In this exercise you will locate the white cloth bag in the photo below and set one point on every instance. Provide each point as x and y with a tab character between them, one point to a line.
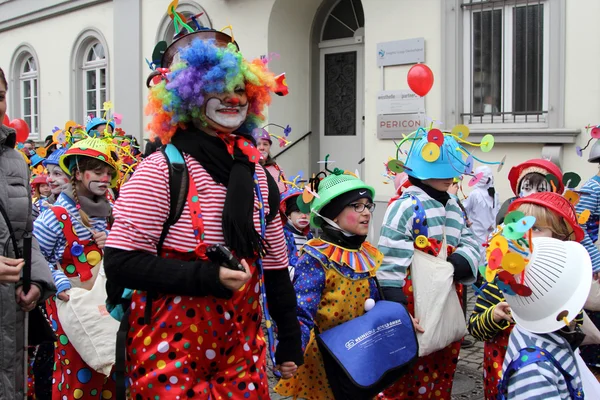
436	302
88	325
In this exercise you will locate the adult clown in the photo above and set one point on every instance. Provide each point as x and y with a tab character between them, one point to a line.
204	337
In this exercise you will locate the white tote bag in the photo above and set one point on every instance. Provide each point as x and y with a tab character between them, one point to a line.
436	302
88	325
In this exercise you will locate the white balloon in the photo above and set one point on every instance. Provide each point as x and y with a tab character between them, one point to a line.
369	304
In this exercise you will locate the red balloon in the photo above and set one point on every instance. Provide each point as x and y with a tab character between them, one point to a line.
6	120
420	79
22	129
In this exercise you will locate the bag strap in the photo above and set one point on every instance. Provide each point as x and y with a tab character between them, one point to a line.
178	188
419	223
534	355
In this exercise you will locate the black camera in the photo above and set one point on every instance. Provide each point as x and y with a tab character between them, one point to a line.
221	255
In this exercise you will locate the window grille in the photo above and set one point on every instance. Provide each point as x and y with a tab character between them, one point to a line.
29	98
505	61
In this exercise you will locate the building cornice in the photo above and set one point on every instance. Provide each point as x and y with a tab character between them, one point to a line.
20	13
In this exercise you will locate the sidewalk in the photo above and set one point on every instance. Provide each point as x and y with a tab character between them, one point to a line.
468	380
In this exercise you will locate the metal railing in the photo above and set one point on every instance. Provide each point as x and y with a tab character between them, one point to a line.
295	142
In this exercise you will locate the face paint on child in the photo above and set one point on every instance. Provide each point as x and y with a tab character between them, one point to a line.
353	221
57	179
226	112
264	146
299	220
44	190
534	185
97	181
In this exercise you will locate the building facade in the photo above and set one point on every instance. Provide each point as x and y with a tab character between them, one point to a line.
522	70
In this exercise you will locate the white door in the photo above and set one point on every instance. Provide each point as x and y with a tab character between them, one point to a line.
342	109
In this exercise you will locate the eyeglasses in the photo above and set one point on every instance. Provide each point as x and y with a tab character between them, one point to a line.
360	207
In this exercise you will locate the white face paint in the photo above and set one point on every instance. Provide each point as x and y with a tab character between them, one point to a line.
528	187
57	179
226	112
229	117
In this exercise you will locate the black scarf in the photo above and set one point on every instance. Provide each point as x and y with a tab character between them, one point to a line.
337	237
441	197
237	174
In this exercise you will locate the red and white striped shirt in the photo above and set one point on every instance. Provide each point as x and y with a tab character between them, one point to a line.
143	208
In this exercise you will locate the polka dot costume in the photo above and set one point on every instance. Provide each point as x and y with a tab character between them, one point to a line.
431	377
329	294
493	357
198	347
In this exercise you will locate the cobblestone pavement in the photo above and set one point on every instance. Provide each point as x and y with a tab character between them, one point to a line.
468	380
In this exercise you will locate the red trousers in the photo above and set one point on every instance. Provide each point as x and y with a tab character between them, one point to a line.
198	347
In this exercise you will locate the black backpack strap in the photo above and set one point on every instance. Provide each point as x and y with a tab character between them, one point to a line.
178	189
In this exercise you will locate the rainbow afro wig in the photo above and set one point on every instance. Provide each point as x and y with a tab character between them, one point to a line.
203	67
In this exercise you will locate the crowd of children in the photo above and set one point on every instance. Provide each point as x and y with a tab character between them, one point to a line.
205	239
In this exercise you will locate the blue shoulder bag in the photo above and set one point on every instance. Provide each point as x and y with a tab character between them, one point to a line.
369	353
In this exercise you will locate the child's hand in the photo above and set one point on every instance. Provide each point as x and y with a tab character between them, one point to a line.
100	239
288	369
502	312
416	325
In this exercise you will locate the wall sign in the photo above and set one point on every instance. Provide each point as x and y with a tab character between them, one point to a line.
392	126
400	52
399	102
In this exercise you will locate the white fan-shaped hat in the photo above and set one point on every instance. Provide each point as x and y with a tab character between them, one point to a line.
560	276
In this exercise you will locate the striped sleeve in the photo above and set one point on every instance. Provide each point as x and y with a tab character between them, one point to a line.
533	382
396	243
481	323
277	257
590	200
47	231
467	245
142	207
541	380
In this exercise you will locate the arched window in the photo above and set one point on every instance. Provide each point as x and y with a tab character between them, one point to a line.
28	79
94	75
25	89
91	83
166	29
344	21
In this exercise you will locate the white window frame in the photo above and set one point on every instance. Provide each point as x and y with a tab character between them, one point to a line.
32	78
97	65
16	107
79	68
485	122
